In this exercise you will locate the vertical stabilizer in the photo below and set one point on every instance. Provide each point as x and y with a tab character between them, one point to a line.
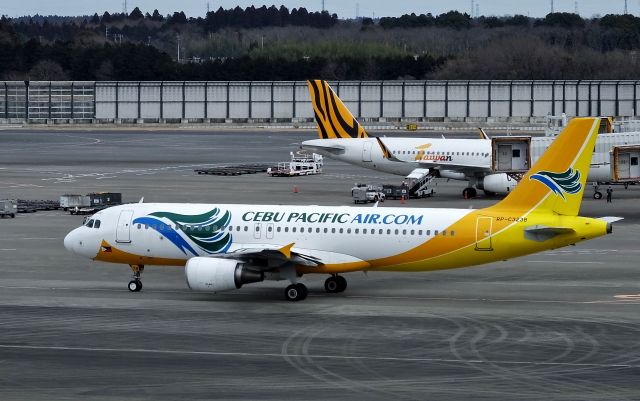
556	182
332	116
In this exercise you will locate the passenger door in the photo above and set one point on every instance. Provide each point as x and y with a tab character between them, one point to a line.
123	229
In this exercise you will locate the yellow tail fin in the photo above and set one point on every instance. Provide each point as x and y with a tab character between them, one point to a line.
332	116
556	182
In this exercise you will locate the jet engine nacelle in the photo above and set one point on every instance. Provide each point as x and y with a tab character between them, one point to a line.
216	274
497	183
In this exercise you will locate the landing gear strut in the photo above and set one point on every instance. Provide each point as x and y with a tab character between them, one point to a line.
135	284
335	284
296	292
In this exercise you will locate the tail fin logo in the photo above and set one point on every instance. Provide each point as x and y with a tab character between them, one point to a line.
560	183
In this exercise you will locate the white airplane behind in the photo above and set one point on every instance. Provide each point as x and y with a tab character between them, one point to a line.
224	247
343	138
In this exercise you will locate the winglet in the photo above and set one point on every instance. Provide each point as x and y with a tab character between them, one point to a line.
286	250
333	118
483	135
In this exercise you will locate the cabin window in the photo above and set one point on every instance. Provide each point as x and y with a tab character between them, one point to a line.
269	228
326	230
341	230
139	226
444	232
246	228
388	231
146	226
452	233
404	232
380	231
230	228
278	229
348	231
293	229
310	230
435	232
413	232
286	229
397	231
356	231
318	230
364	230
428	232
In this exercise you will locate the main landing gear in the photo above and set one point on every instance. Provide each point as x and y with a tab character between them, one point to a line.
135	284
335	284
296	292
299	291
469	193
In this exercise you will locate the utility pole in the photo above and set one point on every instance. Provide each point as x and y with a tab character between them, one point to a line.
208	8
322	5
357	10
552	6
477	10
472	8
576	7
626	10
124	7
178	35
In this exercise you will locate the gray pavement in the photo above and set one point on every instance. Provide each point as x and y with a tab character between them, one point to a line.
560	325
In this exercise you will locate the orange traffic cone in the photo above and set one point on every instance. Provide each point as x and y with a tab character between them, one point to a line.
295	189
402	200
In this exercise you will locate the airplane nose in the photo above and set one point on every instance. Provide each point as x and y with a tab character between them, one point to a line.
68	242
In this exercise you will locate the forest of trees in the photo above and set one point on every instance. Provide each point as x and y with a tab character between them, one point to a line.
275	43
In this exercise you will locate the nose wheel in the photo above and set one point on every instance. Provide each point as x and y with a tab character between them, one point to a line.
135	285
335	284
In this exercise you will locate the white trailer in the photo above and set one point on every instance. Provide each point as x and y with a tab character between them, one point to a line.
301	163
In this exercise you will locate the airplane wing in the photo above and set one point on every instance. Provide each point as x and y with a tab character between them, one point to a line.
433	164
273	254
323	146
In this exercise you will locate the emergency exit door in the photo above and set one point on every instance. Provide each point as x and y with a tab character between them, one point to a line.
483	233
123	229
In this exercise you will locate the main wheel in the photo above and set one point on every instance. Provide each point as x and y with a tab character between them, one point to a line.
597	195
135	285
469	193
331	284
295	292
342	283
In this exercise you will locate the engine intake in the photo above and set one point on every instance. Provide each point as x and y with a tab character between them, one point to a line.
216	274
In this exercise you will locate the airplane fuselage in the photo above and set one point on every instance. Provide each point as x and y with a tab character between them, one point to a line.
344	238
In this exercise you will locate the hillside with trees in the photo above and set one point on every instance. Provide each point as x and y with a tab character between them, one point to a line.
275	43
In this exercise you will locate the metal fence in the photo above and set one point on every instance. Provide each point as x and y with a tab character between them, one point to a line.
289	101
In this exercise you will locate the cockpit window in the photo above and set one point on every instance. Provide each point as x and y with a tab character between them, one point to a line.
96	224
89	223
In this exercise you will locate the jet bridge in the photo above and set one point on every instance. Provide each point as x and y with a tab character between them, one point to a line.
511	154
625	166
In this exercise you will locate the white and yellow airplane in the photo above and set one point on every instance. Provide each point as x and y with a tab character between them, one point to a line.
341	137
226	246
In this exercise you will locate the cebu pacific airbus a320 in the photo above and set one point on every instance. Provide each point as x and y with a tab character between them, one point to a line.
224	247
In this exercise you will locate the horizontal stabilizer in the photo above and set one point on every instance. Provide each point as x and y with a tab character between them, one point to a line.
610	219
541	233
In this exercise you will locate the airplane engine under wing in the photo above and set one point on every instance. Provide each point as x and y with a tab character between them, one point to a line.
216	274
497	183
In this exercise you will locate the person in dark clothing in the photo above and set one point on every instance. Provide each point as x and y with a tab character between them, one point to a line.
609	194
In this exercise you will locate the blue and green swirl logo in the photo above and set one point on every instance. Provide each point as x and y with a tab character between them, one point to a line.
560	183
207	231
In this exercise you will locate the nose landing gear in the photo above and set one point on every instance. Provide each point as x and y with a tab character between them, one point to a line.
135	285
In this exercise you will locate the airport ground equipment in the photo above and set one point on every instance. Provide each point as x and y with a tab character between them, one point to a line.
365	193
235	169
8	207
89	203
32	206
302	163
